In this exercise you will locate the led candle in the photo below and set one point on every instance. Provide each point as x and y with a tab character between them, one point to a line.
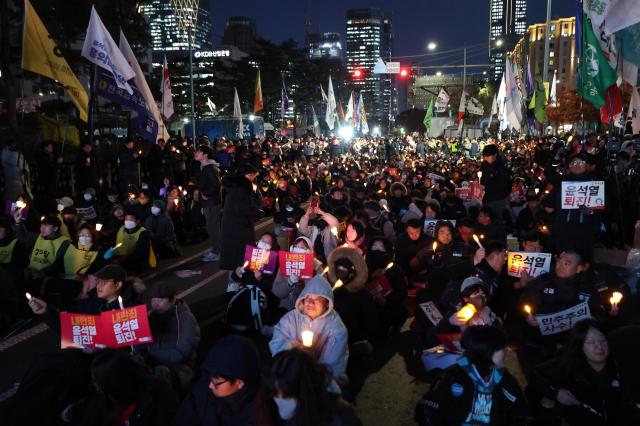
307	338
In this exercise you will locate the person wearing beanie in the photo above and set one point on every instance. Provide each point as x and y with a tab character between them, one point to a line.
163	234
496	179
229	390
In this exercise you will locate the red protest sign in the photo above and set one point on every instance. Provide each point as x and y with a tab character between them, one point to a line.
261	260
298	264
464	194
78	330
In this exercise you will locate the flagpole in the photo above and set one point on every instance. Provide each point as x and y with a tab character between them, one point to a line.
193	110
92	97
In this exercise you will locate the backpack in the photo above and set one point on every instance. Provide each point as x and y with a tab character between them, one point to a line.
244	310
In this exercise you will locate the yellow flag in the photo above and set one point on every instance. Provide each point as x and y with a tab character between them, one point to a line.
41	56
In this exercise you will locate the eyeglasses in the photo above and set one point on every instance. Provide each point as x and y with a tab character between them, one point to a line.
313	301
219	383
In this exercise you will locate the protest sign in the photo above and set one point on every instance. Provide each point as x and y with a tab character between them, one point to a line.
465	194
432	312
380	286
533	263
563	320
588	193
261	260
114	329
430	225
296	264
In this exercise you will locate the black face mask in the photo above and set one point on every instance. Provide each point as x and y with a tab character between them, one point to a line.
344	276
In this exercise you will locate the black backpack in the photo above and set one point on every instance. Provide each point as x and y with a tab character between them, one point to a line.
245	309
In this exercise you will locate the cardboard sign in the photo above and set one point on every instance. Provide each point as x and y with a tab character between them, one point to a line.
534	263
588	193
563	320
114	329
430	225
432	312
296	264
261	260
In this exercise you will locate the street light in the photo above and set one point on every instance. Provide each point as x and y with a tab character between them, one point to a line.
432	45
439	73
499	42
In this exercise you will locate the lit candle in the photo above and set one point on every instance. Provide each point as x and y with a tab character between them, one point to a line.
140	152
537	190
307	338
435	246
615	299
325	270
21	204
338	284
28	296
334	231
466	313
255	187
477	240
479	176
184	192
175	201
120	302
527	309
389	266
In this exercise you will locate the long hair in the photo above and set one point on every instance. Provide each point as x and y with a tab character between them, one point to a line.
480	342
118	376
296	374
573	355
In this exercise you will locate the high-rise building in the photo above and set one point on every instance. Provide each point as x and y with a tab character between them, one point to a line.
324	46
370	37
562	50
507	24
240	32
167	32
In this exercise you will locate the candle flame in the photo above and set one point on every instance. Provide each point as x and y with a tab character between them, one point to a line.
21	204
616	298
28	296
117	245
389	266
245	264
325	270
435	246
477	240
98	227
334	231
338	284
527	309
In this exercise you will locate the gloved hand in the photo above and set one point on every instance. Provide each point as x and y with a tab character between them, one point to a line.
109	253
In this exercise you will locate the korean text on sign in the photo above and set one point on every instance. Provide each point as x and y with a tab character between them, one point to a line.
563	320
534	264
78	330
430	225
260	260
589	194
296	264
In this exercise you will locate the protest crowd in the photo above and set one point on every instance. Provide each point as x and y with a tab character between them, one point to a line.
479	250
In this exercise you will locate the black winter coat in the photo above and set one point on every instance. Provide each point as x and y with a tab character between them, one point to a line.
496	180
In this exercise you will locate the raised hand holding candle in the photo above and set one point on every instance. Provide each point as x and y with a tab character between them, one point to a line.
466	313
28	296
477	240
615	299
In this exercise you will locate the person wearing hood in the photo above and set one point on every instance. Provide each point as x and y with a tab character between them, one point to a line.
163	234
379	222
228	392
241	203
314	312
496	179
133	248
398	199
352	300
211	199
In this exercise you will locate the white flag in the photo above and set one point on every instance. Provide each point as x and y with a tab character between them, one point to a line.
100	49
351	111
237	113
494	110
553	91
620	14
500	100
330	116
211	105
463	102
364	125
513	100
324	95
634	111
442	101
141	84
165	89
475	107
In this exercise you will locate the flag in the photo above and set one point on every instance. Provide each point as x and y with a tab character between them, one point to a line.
211	105
513	99
258	104
494	110
612	106
341	115
165	90
427	117
316	123
324	95
41	56
634	111
629	42
284	99
553	92
143	87
442	101
330	115
364	125
100	49
237	113
595	72
462	107
538	99
621	14
529	80
474	106
351	111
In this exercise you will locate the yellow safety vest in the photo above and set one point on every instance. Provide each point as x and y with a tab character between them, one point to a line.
44	252
6	252
77	261
129	243
64	229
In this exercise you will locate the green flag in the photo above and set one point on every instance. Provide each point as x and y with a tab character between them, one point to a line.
428	115
538	99
595	71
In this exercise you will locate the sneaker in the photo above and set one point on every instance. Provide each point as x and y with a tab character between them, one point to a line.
210	257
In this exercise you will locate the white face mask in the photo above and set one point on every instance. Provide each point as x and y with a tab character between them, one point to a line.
263	246
84	240
129	224
286	407
87	197
60	207
289	209
155	210
299	250
145	186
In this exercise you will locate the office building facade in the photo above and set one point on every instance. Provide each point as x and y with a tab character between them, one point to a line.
507	24
240	32
324	46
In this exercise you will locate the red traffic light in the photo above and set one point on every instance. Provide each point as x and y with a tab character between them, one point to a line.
357	73
404	72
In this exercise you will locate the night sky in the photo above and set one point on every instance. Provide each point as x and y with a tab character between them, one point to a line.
450	23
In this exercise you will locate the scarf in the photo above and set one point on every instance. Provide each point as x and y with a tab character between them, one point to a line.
480	413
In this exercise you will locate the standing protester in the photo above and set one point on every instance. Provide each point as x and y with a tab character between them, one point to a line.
210	193
129	176
496	179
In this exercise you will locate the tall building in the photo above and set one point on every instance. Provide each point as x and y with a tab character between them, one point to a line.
167	34
240	32
324	46
370	37
562	50
507	24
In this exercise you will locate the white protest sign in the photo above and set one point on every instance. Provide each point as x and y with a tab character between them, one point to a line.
586	193
563	320
534	263
430	225
432	312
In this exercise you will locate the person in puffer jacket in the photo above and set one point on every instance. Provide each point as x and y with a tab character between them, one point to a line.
314	312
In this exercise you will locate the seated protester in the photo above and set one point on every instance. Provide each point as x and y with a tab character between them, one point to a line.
529	215
449	261
299	385
355	237
556	291
63	203
13	253
582	385
228	393
163	234
351	299
453	208
87	208
288	216
69	222
322	230
106	206
314	312
335	200
112	224
408	244
478	389
125	393
432	209
465	228
388	284
141	205
398	199
379	223
176	335
287	290
488	226
133	249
